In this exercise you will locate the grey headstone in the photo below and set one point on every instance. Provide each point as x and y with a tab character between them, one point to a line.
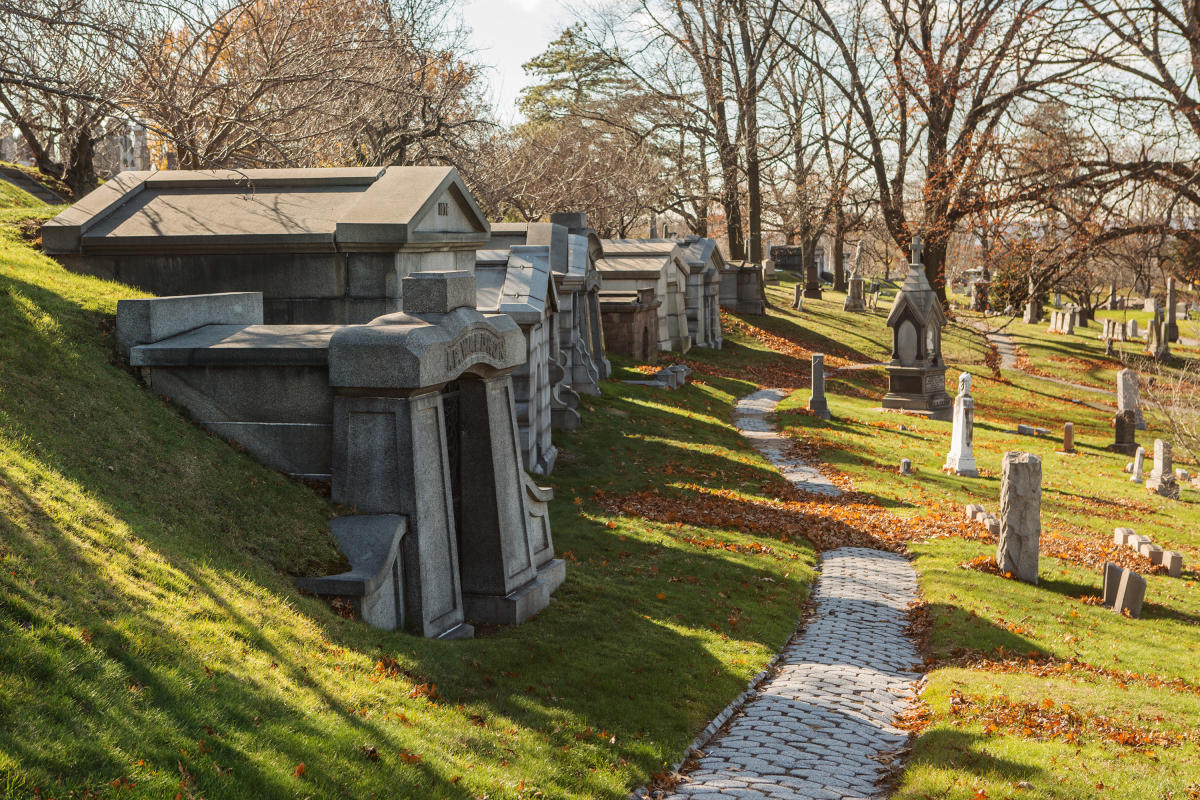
817	402
1139	460
1127	396
1162	477
1121	536
1112	582
1173	561
1131	593
1020	515
905	466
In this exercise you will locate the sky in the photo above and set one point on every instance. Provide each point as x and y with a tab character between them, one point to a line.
507	33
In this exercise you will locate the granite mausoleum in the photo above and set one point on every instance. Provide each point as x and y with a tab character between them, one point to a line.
410	418
321	245
630	266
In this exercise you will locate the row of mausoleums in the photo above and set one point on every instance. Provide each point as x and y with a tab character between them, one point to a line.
371	329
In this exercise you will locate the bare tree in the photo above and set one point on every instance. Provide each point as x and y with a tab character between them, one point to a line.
939	86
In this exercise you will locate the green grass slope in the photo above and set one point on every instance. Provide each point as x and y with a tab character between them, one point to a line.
152	644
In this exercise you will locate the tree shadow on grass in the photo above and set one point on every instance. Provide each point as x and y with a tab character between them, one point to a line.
950	750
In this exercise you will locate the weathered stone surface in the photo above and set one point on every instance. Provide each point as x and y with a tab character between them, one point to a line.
374	585
1131	593
1127	396
1069	437
438	292
1139	461
1162	477
1020	515
1124	429
148	320
906	466
1121	536
1112	582
817	402
322	245
917	373
961	458
1173	561
1151	551
973	510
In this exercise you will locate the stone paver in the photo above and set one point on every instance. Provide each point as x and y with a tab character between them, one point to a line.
821	727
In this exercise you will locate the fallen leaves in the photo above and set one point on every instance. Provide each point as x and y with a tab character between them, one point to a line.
1047	721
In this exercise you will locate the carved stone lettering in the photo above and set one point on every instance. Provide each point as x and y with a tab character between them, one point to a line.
479	342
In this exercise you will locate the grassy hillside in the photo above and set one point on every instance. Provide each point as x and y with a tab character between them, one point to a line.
152	645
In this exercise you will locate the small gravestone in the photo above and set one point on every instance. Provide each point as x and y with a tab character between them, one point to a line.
817	403
1139	460
906	466
1108	346
1173	561
798	300
812	280
1069	437
1151	551
1182	475
1127	396
1162	477
1121	536
1020	515
961	459
1131	329
1131	593
972	510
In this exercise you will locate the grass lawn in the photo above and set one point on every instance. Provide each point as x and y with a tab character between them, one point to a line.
152	644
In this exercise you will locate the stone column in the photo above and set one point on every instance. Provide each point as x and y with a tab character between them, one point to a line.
1069	437
1127	396
1171	334
817	403
1020	515
798	300
961	458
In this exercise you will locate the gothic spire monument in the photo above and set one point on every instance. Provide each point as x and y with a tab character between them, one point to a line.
917	373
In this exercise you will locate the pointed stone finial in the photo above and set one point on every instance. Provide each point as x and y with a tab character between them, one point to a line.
918	248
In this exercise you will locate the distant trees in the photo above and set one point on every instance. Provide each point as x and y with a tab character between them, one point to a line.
240	83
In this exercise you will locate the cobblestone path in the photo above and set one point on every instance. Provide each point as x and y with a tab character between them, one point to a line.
821	726
750	417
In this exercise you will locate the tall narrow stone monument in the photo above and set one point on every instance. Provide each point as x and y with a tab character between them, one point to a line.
812	280
817	403
1171	331
1020	515
1033	310
1127	397
917	373
961	459
1162	477
854	294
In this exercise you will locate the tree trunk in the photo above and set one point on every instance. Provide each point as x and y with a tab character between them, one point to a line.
839	251
935	266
